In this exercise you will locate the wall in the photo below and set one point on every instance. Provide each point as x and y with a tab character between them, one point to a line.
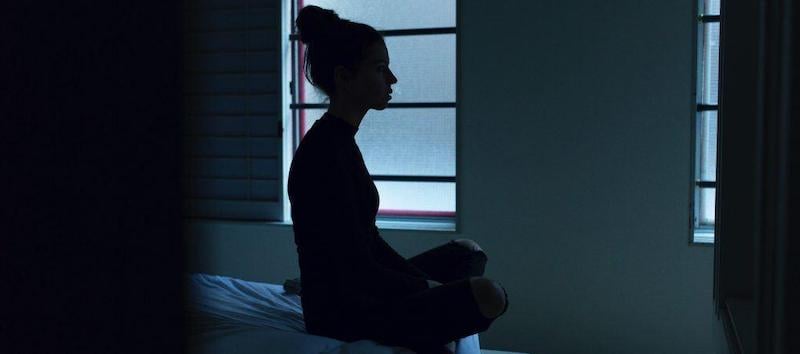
575	130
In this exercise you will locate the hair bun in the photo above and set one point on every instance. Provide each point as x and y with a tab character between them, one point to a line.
314	22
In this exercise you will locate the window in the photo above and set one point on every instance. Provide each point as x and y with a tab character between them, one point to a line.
409	148
705	164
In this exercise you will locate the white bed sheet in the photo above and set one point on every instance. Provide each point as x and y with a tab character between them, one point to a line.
230	315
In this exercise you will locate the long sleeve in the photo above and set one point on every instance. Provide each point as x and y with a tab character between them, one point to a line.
389	257
326	213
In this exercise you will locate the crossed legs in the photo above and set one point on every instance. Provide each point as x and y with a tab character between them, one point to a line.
447	263
489	294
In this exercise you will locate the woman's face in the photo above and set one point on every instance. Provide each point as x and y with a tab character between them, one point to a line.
371	85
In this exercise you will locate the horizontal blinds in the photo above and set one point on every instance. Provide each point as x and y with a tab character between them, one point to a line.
233	131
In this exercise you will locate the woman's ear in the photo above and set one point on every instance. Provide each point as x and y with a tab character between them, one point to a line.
342	77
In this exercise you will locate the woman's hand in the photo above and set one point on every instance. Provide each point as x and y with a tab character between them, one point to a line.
433	283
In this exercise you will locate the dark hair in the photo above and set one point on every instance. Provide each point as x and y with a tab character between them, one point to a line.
331	41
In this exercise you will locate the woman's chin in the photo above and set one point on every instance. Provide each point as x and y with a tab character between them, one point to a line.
381	106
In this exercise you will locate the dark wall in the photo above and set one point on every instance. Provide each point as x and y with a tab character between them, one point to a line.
91	105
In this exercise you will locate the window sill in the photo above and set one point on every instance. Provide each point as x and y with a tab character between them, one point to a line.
444	226
428	225
705	237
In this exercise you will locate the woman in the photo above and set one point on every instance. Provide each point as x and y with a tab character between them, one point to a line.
354	285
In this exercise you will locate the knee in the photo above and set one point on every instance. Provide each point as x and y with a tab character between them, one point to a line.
489	295
468	244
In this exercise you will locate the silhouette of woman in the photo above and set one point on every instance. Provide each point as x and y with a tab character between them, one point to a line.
354	285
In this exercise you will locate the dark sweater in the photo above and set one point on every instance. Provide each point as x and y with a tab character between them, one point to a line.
345	265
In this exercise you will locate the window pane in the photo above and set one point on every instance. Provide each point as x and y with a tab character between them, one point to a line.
707	135
417	196
710	65
428	77
711	7
393	14
405	141
409	141
707	199
708	88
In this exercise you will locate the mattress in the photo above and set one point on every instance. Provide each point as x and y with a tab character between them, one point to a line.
229	315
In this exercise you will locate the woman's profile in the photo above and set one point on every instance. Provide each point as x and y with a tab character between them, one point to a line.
354	285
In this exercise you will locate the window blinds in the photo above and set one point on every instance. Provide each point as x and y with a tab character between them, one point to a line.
232	123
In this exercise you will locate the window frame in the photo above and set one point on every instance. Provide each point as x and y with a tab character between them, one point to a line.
700	234
400	219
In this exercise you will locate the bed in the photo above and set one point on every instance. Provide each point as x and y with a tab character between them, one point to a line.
229	315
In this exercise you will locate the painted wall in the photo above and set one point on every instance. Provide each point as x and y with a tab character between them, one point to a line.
574	147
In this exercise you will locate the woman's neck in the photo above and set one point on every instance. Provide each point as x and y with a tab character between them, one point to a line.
351	113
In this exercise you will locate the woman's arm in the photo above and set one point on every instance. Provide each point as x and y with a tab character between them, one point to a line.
386	255
326	211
